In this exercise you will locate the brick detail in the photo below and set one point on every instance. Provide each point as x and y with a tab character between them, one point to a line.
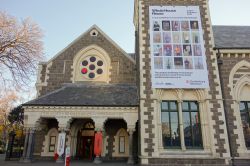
214	92
39	139
43	73
228	62
111	128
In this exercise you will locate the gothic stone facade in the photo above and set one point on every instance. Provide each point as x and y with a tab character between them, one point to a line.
94	85
89	86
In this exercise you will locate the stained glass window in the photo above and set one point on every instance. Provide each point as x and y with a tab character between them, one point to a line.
99	63
92	59
91	75
85	63
92	67
84	70
99	71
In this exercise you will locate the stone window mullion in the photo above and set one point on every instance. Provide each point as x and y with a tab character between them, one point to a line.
204	124
183	147
159	123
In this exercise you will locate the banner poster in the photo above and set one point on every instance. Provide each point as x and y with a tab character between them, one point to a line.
177	49
61	143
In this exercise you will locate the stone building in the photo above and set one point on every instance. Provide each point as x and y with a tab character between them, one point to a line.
94	85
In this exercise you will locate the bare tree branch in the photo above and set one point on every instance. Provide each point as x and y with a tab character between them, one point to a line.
20	50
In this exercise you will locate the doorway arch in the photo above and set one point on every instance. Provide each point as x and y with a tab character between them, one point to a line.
85	141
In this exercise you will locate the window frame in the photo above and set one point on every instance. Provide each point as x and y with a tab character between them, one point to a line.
169	110
52	145
124	144
180	110
190	111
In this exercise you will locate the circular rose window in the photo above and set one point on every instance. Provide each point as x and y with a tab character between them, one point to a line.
92	67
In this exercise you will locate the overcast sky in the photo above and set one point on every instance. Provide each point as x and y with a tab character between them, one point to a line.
62	20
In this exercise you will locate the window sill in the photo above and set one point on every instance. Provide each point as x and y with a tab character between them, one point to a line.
178	153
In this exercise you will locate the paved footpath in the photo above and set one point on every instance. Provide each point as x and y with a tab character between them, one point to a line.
51	163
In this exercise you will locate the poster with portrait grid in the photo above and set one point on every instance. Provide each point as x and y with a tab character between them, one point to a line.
177	48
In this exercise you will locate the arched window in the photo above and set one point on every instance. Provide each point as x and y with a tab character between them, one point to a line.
91	64
121	143
52	135
239	81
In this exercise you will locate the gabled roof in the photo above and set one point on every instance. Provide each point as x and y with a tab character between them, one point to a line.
90	94
232	37
94	27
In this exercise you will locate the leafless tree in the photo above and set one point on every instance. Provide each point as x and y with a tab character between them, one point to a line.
7	102
20	50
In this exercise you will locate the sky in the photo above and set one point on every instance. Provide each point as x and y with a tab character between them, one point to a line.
62	21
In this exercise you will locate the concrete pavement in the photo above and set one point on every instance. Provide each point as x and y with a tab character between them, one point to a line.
52	163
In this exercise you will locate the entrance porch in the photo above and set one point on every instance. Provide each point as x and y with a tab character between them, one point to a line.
118	127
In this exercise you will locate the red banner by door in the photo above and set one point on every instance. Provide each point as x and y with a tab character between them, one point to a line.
98	143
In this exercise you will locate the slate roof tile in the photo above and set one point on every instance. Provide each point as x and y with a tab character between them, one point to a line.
232	37
94	94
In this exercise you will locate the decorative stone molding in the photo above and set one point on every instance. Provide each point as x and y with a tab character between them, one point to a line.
243	81
63	122
236	91
234	70
65	114
235	51
181	95
239	93
99	123
131	130
92	50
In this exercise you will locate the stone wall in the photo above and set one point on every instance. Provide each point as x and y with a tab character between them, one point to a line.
39	138
227	63
45	126
111	128
148	119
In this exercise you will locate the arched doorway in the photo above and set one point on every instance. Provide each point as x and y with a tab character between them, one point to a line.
85	142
